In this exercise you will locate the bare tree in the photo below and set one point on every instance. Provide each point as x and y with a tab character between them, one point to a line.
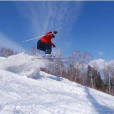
109	77
79	62
5	52
84	59
74	63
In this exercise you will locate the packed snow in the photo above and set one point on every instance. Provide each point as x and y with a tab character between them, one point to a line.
24	89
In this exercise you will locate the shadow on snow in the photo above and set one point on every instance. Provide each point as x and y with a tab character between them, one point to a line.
101	109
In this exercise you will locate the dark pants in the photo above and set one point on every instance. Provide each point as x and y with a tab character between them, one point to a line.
44	47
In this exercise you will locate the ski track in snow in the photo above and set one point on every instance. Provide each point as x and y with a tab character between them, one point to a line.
24	89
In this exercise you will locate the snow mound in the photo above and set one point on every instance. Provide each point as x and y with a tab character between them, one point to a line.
22	64
45	94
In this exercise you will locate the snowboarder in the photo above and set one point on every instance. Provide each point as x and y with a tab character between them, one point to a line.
45	44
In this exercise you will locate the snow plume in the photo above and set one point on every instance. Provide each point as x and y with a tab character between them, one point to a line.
50	15
8	43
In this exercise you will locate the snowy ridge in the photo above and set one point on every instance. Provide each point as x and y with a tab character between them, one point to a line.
43	93
100	63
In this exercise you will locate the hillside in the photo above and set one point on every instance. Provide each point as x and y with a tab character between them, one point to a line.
24	89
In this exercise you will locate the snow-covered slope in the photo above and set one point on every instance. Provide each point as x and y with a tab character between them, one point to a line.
43	93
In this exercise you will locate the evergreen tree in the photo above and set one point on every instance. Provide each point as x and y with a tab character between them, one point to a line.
94	78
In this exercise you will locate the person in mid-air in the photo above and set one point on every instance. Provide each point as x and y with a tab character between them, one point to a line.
45	43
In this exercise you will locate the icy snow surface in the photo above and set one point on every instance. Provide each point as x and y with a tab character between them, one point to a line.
24	89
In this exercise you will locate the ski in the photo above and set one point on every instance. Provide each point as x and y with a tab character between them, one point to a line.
53	57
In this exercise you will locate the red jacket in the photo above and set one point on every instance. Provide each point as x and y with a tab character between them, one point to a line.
47	38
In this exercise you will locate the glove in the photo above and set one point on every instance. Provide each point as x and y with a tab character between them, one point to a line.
54	45
54	32
53	36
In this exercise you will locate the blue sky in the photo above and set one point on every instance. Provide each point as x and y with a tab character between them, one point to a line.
85	26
